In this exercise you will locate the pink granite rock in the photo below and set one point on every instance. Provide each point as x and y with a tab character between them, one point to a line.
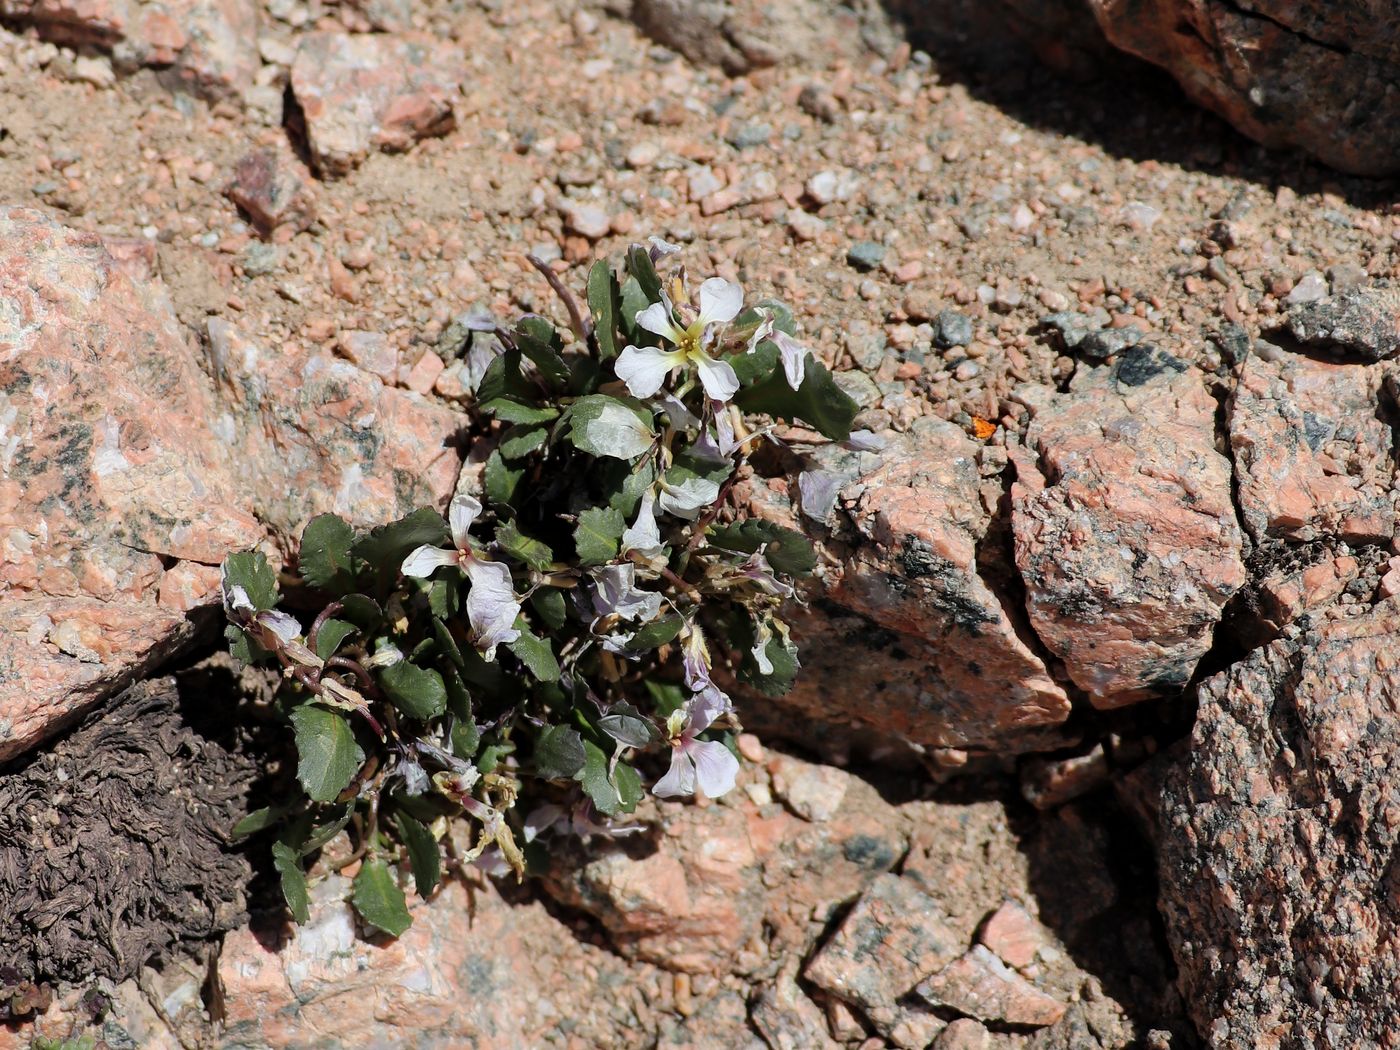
207	46
1312	452
107	474
1125	530
894	937
271	187
982	986
313	433
472	970
943	660
725	882
1279	837
364	92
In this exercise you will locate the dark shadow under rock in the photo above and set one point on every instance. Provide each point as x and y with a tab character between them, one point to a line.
114	842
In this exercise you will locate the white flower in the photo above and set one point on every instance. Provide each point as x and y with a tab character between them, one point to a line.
695	658
687	497
642	535
645	369
794	357
492	606
615	592
706	763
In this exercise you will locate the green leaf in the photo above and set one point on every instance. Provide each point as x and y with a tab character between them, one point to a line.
524	548
416	691
634	301
639	265
501	480
250	570
379	899
466	737
331	634
424	856
327	754
625	724
609	426
549	603
787	550
749	368
258	820
325	560
241	647
504	380
361	610
444	597
656	634
629	786
594	778
604	300
559	753
534	344
819	403
327	831
385	546
535	653
520	440
598	535
666	697
627	483
287	861
509	411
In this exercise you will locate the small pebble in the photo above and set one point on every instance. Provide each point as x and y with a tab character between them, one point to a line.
951	328
865	255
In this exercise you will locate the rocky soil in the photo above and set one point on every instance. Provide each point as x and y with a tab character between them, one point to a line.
1136	380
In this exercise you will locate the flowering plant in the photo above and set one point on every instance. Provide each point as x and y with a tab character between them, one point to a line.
516	663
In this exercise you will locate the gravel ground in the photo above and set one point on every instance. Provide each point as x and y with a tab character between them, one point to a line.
924	199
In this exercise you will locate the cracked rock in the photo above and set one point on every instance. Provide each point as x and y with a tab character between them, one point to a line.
1279	834
743	35
112	478
1125	529
1363	320
1313	457
982	986
1318	76
943	661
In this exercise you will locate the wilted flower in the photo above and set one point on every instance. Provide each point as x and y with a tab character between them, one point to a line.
492	606
706	763
615	593
644	369
642	535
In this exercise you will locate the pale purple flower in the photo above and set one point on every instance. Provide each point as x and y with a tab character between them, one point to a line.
707	764
818	490
695	658
581	821
615	593
645	369
688	496
757	570
643	535
864	441
794	358
492	606
660	249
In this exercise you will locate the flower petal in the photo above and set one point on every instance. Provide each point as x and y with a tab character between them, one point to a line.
717	377
492	606
704	707
463	510
695	658
617	593
661	249
762	332
685	498
285	627
679	781
643	535
794	356
720	301
864	441
424	561
236	599
656	319
818	490
644	368
716	768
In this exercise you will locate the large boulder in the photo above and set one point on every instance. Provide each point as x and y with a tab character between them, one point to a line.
1279	838
1316	75
1125	528
945	659
115	502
